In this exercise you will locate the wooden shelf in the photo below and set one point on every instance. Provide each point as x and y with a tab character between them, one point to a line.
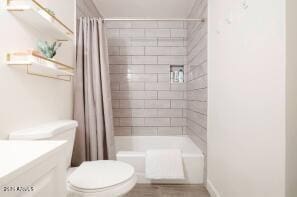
40	66
39	17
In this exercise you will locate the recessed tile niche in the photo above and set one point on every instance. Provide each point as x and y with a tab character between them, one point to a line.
177	74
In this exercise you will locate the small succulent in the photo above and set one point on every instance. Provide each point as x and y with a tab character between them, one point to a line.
47	49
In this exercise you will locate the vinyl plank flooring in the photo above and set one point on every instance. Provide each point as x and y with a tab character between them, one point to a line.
148	190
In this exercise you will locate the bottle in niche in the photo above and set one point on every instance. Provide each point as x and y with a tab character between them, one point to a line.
176	76
171	77
181	76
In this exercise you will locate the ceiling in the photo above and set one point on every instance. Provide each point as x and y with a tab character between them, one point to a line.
144	8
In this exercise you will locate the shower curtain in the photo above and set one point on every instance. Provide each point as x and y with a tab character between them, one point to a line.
94	138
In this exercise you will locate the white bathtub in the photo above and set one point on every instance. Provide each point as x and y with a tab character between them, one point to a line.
131	149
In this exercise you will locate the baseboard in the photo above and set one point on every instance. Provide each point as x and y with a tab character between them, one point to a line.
211	189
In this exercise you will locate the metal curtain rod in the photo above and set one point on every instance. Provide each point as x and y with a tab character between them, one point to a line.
154	19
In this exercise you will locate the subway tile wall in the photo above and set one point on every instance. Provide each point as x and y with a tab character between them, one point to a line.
196	77
140	54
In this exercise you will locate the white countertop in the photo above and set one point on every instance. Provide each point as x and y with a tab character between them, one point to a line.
18	156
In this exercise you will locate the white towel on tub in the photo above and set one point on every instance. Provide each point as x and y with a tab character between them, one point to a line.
164	164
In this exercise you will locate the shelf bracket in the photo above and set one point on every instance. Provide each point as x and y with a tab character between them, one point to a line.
29	72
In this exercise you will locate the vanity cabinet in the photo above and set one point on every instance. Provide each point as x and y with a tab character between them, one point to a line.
32	168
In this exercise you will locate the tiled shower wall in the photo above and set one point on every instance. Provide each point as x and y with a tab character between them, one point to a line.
196	71
144	101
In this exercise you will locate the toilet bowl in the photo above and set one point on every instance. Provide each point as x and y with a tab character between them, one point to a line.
104	178
101	178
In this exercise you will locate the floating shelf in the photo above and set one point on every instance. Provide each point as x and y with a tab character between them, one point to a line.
41	18
40	66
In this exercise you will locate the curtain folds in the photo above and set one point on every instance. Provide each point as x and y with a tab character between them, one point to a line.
92	95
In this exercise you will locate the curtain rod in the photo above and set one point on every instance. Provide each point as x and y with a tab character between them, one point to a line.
154	19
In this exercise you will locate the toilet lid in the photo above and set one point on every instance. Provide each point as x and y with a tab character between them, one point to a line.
100	174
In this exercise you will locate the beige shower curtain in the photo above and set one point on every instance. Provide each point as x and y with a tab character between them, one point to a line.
92	97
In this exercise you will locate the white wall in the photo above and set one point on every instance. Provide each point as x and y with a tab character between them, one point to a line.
246	116
291	113
86	8
144	9
27	100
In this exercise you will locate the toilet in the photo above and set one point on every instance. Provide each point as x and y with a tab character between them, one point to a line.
104	178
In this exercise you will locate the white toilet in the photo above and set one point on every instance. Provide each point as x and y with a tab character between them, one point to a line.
92	179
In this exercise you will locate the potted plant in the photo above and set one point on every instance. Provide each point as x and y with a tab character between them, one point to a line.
49	50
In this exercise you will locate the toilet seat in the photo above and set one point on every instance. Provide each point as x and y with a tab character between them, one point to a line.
113	191
101	178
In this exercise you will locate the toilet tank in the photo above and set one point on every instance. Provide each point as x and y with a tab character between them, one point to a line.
58	130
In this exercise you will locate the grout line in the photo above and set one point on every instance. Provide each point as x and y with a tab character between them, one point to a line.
198	42
193	111
196	135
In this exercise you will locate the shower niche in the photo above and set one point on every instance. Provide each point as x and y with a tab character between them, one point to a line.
177	74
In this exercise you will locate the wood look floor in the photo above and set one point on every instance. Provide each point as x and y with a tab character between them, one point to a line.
147	190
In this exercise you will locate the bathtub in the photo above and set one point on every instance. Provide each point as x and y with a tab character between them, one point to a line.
131	149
